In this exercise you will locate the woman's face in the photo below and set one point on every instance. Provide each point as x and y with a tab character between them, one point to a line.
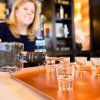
25	13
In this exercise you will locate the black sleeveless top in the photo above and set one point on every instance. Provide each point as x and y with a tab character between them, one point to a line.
6	36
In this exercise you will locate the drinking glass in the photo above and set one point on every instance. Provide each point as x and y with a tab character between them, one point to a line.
10	56
88	65
65	76
64	60
95	66
50	63
81	64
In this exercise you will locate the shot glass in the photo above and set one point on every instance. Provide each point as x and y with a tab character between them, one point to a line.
88	65
50	64
81	64
95	66
64	60
65	76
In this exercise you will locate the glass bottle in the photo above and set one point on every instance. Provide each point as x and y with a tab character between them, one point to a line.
61	12
66	32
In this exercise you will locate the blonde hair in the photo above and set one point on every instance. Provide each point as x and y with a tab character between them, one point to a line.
32	29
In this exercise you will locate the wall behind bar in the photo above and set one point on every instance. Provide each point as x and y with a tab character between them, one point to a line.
95	25
82	25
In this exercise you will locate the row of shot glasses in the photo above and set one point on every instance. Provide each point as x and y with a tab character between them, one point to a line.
65	70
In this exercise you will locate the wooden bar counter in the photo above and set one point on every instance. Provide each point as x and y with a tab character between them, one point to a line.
85	87
35	84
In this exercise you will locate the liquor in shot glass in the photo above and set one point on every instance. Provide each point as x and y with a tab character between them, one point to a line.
65	76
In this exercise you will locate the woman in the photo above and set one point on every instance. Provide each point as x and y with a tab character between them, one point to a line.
22	24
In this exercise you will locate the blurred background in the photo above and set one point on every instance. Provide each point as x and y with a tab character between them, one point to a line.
67	27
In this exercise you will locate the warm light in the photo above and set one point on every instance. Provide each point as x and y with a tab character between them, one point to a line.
78	15
42	18
82	23
78	5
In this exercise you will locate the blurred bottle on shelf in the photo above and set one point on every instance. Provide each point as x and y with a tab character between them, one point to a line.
40	46
38	34
61	12
66	31
66	15
47	32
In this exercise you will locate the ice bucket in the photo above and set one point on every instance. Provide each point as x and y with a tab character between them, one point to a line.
10	56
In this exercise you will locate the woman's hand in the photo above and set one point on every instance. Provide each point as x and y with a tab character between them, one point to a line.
24	53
